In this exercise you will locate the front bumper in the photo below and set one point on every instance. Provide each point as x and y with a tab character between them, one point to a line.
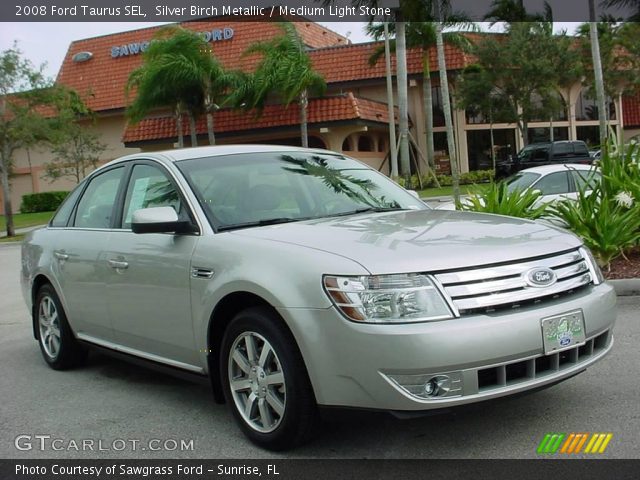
492	355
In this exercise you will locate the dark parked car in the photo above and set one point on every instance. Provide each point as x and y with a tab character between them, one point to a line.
550	153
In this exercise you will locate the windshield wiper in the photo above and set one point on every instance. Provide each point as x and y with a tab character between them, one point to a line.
367	210
261	223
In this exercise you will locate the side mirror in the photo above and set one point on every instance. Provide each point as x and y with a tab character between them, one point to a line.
159	220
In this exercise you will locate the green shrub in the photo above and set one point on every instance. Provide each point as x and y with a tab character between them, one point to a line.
42	202
499	200
607	218
468	178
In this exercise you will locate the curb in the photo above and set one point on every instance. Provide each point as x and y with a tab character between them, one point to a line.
626	287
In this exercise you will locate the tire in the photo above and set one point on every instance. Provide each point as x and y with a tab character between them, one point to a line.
58	345
272	399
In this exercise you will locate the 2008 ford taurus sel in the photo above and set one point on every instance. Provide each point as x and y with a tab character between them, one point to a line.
300	278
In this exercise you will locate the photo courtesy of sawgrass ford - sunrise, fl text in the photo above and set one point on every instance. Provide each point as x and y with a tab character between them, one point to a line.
309	239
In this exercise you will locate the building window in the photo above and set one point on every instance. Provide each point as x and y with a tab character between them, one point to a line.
560	113
587	108
346	145
589	135
541	134
382	143
365	143
438	108
479	147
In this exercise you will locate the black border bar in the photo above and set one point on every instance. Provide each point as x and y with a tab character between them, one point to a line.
296	10
584	469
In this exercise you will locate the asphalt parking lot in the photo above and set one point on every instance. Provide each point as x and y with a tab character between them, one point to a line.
115	404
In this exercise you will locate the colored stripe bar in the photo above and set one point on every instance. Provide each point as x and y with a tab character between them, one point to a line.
555	444
567	444
582	442
543	443
606	441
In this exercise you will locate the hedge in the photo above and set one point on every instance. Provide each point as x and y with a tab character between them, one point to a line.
42	202
467	178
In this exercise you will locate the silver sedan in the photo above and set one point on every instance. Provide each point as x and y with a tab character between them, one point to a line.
297	278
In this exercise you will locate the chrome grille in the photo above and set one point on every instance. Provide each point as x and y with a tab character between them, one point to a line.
496	286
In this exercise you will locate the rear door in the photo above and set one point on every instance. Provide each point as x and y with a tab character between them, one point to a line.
80	255
148	275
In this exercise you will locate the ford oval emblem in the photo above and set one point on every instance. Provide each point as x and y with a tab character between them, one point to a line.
82	57
540	277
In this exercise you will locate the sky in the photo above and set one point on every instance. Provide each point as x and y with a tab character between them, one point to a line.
48	42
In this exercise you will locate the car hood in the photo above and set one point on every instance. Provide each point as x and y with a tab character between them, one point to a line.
421	240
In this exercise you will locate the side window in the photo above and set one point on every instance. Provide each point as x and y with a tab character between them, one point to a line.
96	205
580	149
585	179
149	187
539	154
61	218
553	184
562	149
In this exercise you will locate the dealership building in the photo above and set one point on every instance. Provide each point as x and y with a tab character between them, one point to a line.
352	117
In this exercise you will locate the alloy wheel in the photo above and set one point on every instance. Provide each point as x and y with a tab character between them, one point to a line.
257	382
49	323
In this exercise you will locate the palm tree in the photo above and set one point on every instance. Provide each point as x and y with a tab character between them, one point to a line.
633	5
285	68
179	71
597	71
511	11
422	34
446	100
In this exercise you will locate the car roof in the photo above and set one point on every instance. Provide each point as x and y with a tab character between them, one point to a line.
546	169
178	154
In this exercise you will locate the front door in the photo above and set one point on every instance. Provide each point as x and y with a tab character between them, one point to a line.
148	281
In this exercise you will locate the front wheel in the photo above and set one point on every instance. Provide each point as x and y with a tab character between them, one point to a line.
59	347
265	381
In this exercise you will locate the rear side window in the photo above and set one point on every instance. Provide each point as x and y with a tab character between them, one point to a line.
580	149
586	180
562	150
61	218
96	205
553	184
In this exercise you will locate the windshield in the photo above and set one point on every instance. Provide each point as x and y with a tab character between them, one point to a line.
263	188
521	181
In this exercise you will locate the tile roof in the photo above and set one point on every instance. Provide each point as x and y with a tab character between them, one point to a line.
631	111
101	79
320	111
351	62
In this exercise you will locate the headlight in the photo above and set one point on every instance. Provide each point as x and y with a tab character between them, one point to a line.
596	273
402	298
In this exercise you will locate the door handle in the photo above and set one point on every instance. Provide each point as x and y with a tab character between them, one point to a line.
61	256
117	264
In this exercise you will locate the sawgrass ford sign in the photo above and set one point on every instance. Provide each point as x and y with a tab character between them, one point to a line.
215	35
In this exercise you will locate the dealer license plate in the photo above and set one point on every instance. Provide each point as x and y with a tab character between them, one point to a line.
563	331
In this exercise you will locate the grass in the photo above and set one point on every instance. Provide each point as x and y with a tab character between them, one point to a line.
448	191
23	220
17	238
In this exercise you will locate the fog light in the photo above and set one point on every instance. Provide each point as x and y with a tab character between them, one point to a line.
437	386
428	386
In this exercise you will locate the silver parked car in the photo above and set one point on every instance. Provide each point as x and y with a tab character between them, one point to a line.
299	278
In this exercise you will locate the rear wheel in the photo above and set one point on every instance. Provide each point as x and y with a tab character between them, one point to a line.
59	347
265	381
